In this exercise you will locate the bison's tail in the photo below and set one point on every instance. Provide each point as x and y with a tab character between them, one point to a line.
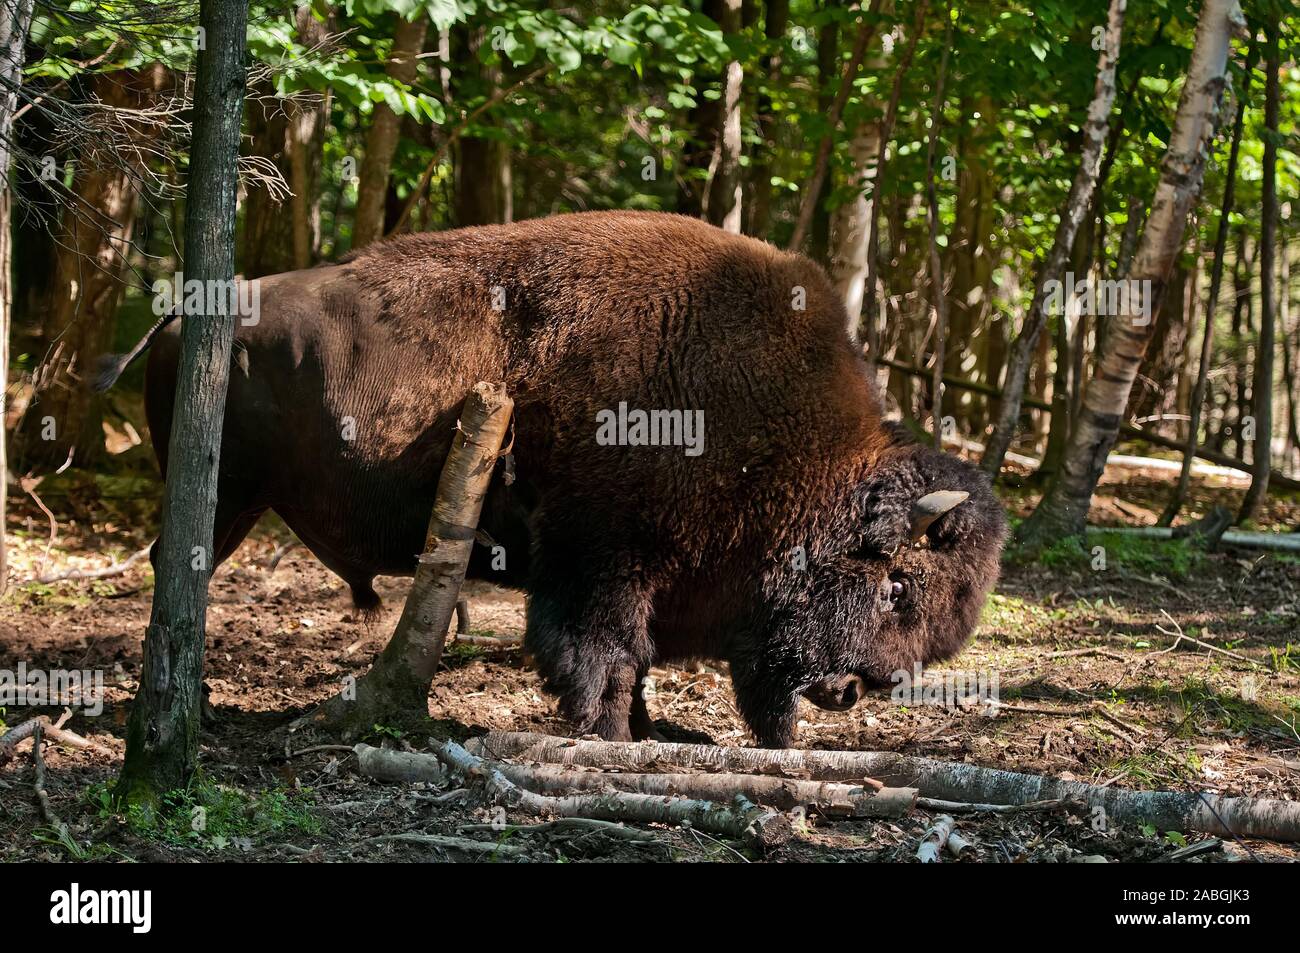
110	367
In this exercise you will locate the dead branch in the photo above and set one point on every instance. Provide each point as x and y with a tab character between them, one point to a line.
743	820
403	767
1167	810
565	825
55	732
829	798
113	569
447	842
42	796
930	850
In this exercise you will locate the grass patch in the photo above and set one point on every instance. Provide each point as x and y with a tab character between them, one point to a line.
209	816
1175	558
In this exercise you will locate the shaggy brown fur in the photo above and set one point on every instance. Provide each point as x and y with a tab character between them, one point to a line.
782	548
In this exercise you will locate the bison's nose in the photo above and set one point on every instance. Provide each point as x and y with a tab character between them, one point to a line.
837	694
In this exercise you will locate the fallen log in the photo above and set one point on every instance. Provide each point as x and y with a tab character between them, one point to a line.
113	569
742	820
52	731
825	797
1167	810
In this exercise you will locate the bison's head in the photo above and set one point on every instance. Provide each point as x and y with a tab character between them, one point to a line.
897	576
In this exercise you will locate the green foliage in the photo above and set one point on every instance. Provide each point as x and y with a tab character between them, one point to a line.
213	817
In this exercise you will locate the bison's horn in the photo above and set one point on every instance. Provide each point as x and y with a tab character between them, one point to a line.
931	506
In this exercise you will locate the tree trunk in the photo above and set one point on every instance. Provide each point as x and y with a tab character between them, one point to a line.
1211	308
1262	446
381	138
775	21
163	732
1290	351
869	296
1076	207
483	184
1063	511
65	416
15	20
1203	371
724	208
1155	387
938	296
821	164
398	683
850	226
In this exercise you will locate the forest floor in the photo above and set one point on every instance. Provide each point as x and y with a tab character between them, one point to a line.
1129	713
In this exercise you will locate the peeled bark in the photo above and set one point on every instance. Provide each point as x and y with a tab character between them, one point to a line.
1076	207
398	683
1262	446
163	732
382	136
1063	511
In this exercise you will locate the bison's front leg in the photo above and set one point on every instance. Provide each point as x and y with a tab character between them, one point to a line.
768	703
589	646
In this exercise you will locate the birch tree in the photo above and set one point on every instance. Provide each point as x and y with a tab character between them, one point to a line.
1063	510
1076	207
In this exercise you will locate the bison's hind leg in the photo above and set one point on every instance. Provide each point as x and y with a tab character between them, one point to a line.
365	599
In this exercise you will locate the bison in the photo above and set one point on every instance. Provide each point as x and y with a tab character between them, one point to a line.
701	467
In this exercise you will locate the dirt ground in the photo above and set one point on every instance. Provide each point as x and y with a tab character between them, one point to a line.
1129	712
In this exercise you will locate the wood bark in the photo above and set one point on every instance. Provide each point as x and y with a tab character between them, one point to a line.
483	182
851	226
163	731
953	781
398	683
1076	206
1063	510
724	199
1211	309
1262	446
382	136
15	20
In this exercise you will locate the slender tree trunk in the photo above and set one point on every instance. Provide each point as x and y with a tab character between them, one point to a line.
851	226
1076	207
821	164
870	298
776	19
90	260
938	297
1262	446
15	20
162	743
382	136
483	186
1289	350
1211	308
725	187
1063	511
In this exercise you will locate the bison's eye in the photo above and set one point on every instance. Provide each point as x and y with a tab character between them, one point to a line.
895	591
